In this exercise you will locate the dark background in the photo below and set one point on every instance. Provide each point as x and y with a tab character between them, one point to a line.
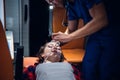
39	22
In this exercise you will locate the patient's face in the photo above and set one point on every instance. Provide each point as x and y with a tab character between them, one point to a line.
52	51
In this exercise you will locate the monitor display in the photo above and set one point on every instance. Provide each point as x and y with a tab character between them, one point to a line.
9	35
2	14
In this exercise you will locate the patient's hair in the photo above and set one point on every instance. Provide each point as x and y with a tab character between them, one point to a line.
41	51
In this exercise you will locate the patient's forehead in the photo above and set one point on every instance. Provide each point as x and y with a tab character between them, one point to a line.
53	42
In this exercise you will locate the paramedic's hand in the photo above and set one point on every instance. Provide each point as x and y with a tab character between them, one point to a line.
62	37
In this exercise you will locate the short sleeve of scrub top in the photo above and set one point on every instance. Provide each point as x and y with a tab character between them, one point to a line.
90	3
80	9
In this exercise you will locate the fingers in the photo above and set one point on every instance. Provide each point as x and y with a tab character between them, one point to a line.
55	35
61	37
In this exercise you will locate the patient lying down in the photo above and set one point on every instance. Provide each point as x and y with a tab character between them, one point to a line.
52	65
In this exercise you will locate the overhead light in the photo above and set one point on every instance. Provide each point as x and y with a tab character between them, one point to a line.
51	7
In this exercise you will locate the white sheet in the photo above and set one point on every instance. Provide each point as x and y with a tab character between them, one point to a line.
54	71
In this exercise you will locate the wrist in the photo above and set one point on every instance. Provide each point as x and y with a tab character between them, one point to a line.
70	37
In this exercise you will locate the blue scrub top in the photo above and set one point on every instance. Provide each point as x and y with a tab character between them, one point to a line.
79	9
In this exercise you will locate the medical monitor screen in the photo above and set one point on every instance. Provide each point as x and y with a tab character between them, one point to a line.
9	35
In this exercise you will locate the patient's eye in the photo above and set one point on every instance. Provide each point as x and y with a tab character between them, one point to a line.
50	46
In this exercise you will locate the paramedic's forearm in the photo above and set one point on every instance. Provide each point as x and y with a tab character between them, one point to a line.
99	21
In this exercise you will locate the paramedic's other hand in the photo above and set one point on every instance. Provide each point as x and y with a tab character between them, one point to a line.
62	37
